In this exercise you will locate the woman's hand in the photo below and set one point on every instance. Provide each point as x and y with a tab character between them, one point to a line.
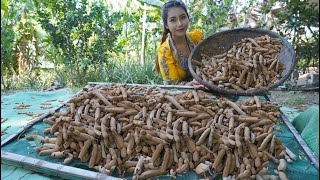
196	84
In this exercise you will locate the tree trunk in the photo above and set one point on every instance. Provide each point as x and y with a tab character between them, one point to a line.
143	33
2	82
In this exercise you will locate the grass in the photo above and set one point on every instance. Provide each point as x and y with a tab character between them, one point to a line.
115	72
296	99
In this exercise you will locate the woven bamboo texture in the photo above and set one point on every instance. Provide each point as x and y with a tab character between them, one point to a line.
222	41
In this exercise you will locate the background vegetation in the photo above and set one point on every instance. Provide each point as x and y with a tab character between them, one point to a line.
78	41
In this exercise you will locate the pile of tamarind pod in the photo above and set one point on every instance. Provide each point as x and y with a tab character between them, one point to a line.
250	64
149	131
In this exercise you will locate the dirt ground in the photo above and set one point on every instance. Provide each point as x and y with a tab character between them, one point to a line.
299	100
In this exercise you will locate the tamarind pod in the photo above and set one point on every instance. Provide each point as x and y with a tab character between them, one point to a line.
203	136
93	157
218	159
206	149
184	128
113	124
186	113
127	113
99	155
197	63
261	123
200	116
237	137
118	140
282	165
270	156
164	164
50	140
129	164
183	168
195	156
265	142
84	149
174	102
127	127
236	155
130	144
175	131
195	96
32	137
169	119
235	107
49	145
253	42
103	149
282	175
114	109
272	143
57	154
155	139
58	142
157	153
151	173
47	152
136	136
252	149
210	138
123	92
138	168
112	163
88	118
69	159
101	97
97	114
226	168
291	154
198	131
191	145
236	87
258	103
47	131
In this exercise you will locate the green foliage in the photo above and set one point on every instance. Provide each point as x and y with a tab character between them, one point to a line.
293	22
83	33
209	16
19	41
132	72
87	41
297	100
30	80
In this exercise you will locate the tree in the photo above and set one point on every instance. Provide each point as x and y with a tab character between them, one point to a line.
83	32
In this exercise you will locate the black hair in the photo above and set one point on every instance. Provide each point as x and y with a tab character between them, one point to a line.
164	14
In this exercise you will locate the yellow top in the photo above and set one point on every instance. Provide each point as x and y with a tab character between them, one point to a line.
173	67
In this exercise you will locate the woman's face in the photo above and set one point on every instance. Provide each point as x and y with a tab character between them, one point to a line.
177	22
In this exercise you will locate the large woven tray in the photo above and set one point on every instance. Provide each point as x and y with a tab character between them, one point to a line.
221	42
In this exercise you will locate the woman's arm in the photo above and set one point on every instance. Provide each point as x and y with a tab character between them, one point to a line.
195	84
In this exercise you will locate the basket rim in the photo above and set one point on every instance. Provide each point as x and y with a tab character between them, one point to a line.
257	91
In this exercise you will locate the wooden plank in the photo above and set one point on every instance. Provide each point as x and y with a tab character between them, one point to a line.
314	160
52	169
145	85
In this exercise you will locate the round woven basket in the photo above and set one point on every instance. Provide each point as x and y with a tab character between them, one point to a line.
221	42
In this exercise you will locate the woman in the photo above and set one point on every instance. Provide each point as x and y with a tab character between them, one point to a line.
176	45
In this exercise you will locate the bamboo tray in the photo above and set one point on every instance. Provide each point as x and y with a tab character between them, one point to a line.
221	42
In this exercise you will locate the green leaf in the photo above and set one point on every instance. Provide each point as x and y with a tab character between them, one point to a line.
155	3
4	7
